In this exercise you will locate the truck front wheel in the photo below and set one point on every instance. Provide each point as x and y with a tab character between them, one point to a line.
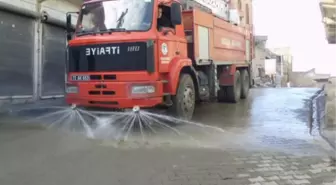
184	101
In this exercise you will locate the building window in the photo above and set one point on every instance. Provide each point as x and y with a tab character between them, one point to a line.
239	5
247	11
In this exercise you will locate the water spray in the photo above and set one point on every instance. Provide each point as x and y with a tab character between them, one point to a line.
136	109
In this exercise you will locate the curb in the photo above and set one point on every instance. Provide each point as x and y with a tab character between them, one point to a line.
312	99
317	120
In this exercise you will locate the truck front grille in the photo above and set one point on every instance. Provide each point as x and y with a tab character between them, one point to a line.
129	56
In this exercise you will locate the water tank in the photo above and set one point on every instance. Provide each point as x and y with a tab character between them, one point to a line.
220	8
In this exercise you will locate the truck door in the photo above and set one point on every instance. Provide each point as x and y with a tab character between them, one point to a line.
169	41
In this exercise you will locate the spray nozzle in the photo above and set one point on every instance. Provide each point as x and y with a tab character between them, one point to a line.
73	106
136	109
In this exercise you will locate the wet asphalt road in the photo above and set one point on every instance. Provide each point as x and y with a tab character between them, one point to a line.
263	140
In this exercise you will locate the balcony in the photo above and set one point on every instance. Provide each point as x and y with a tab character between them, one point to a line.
328	10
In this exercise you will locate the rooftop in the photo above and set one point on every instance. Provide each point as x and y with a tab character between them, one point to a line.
328	10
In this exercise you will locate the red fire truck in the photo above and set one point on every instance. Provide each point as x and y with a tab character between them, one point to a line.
148	53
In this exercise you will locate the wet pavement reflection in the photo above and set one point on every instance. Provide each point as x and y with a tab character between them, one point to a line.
263	139
274	118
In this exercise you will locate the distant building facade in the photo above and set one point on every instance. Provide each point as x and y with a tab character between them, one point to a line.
284	63
244	8
261	54
310	79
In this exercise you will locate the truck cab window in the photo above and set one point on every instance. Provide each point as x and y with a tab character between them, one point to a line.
115	16
163	20
97	19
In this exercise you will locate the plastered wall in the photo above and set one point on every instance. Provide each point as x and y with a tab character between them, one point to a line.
245	8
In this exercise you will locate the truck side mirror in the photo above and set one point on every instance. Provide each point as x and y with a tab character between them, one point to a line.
176	13
68	26
68	22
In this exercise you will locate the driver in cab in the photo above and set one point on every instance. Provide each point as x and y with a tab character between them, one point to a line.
162	20
97	20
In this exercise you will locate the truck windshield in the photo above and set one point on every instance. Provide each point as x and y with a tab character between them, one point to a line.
115	15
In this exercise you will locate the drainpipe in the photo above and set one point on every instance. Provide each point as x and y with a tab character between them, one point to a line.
38	53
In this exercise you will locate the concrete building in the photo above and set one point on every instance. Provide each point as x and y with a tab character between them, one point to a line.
258	63
261	54
245	11
33	48
328	10
310	79
332	80
284	63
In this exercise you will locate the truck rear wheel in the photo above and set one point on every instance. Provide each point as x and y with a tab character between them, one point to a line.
231	93
245	84
184	101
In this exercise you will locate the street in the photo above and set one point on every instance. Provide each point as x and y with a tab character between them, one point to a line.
264	140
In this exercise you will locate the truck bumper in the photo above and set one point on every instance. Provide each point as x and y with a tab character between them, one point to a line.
114	94
114	103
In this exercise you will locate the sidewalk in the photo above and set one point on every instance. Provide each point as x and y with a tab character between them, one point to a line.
43	157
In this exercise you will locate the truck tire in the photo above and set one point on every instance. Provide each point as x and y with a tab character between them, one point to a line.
221	94
184	101
245	84
231	93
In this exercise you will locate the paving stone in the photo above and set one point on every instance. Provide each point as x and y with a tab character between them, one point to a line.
329	183
302	176
287	177
273	178
284	182
299	182
257	179
264	165
269	183
315	171
243	175
262	169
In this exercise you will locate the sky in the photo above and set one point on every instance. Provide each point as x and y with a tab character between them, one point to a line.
297	24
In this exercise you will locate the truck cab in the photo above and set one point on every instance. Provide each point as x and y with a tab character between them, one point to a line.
119	56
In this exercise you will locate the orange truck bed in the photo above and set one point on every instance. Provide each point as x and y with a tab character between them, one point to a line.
211	38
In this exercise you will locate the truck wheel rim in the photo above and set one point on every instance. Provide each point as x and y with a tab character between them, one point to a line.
188	97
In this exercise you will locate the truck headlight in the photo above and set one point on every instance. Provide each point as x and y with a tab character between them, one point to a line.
143	89
71	89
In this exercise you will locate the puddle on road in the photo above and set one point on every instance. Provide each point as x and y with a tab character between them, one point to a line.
263	124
